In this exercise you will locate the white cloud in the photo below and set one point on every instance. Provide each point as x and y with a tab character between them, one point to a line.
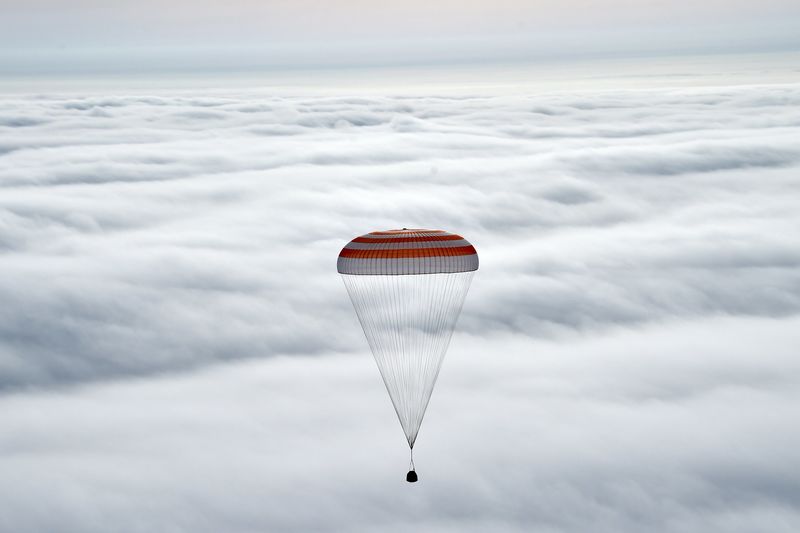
144	233
624	361
671	428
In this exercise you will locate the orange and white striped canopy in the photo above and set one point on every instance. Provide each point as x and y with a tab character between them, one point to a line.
407	251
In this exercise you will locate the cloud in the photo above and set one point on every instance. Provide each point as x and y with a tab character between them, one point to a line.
676	427
151	233
178	353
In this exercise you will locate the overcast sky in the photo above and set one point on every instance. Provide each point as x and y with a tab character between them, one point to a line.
122	35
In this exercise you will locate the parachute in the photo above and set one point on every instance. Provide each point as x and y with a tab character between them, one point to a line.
408	287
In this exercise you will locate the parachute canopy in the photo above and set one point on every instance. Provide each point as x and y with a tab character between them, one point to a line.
406	252
408	287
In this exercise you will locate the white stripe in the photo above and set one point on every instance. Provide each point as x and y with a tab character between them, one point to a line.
408	265
406	245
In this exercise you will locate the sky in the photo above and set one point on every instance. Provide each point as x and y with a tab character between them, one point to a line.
178	352
124	36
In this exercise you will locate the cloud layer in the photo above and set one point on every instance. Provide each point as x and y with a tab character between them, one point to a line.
679	428
149	233
178	353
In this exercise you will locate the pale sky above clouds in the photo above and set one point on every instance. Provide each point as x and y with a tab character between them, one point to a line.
309	33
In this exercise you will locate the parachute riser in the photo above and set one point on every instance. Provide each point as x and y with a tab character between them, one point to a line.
411	476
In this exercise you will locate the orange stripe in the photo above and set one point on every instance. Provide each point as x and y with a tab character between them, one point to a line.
368	240
407	252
